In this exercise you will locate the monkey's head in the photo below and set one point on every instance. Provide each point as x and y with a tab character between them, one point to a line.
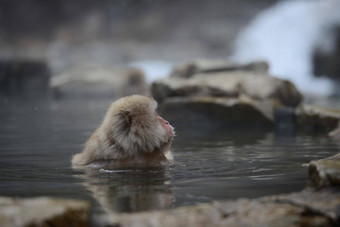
137	127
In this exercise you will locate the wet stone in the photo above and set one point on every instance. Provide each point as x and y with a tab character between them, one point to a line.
317	119
213	112
295	209
191	68
325	172
260	87
99	82
323	202
43	211
335	133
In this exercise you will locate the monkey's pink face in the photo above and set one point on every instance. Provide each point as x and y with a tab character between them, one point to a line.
166	125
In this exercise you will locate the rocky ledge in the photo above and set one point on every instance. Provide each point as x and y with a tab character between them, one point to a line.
258	86
318	119
219	93
325	172
43	211
216	112
306	208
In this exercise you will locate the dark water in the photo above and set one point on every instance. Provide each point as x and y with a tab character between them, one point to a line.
37	140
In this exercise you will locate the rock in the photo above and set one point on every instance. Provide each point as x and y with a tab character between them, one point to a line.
262	87
325	172
214	112
99	82
189	69
43	211
317	119
323	202
335	133
24	78
296	209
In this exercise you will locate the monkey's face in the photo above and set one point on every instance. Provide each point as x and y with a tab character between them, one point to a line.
146	121
166	125
137	127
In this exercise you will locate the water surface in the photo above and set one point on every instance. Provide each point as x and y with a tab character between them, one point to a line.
38	139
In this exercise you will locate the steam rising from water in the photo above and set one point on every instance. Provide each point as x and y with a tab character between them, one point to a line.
154	69
286	35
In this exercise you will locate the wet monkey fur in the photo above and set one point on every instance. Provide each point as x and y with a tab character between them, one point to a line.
132	132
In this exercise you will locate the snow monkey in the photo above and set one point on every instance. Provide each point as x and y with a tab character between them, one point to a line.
131	133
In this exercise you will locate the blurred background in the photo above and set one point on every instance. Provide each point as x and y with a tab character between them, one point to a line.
92	40
62	62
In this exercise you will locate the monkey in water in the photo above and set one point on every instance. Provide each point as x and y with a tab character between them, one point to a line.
131	133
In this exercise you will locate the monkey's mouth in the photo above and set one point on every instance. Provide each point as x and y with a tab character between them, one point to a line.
172	132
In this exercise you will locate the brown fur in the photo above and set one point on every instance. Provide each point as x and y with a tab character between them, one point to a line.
130	132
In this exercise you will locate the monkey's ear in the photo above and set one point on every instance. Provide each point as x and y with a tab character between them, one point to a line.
127	117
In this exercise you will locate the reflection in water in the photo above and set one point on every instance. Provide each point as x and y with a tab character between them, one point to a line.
129	190
38	139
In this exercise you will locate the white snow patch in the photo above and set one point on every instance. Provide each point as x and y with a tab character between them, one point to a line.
286	35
